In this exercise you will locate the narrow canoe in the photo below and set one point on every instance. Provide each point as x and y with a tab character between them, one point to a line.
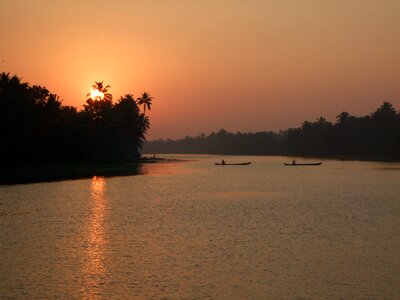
303	164
238	164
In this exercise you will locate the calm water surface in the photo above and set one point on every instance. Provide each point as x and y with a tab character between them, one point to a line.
198	231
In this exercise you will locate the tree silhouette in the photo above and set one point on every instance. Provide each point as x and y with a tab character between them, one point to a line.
344	118
146	101
374	136
99	107
131	125
36	127
103	91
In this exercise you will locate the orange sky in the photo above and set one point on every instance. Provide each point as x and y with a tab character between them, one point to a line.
238	65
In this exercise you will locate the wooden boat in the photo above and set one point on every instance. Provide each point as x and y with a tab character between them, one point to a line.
303	164
237	164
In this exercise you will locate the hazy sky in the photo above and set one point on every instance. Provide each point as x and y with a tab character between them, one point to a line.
238	65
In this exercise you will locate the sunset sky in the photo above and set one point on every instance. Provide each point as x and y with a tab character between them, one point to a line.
238	65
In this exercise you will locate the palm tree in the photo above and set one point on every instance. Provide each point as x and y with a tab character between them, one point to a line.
145	100
100	104
98	85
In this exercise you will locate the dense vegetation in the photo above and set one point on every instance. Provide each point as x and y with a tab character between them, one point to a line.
37	128
375	136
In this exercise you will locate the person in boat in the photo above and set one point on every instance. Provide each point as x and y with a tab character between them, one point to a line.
223	162
293	162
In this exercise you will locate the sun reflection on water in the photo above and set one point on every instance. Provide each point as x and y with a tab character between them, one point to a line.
95	268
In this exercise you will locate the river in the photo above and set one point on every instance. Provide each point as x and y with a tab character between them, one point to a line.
193	230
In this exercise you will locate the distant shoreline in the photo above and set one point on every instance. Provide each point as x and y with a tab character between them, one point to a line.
328	157
348	158
50	172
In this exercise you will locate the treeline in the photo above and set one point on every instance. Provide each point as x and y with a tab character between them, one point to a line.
36	127
374	136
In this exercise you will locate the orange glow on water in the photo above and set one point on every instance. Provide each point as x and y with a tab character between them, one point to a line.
95	268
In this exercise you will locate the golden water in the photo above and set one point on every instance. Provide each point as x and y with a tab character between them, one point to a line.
198	231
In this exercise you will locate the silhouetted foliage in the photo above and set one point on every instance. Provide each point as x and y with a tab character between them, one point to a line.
102	92
375	136
36	127
146	101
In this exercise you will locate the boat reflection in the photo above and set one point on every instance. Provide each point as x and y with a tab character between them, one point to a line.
95	269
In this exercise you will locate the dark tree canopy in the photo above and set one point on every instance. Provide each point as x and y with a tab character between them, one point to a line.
375	136
36	127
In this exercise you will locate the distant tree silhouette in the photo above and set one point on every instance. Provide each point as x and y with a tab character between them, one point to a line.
374	136
344	119
383	130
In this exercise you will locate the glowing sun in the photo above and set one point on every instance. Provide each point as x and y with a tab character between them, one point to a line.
96	95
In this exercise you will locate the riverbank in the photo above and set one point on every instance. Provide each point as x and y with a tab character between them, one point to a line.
39	172
371	158
350	157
